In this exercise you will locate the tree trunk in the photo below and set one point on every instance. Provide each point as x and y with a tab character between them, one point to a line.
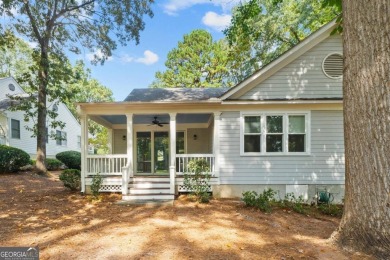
42	111
365	225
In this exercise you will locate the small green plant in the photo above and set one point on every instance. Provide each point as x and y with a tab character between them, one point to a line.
262	201
97	181
53	164
71	179
331	209
296	204
72	159
197	180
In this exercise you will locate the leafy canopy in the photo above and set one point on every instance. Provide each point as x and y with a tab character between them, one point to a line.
261	30
197	62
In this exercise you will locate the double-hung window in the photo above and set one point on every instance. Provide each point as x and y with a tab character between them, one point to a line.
275	133
61	138
15	129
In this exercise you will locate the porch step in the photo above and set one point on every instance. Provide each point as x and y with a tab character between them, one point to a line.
147	197
151	179
149	191
149	185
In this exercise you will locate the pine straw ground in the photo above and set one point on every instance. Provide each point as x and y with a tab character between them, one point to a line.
39	211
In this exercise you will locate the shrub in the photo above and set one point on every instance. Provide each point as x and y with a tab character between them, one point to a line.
53	164
197	180
296	204
72	159
331	209
11	159
71	179
262	201
97	181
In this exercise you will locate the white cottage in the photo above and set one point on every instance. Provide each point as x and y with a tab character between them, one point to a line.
280	128
13	130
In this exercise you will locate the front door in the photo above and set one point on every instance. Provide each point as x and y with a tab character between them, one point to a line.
153	152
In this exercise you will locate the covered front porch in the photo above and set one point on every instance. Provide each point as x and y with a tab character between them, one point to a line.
149	152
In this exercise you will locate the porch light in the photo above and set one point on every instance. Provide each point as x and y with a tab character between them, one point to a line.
195	137
124	137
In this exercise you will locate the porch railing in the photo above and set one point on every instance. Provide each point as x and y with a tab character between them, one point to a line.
110	164
182	161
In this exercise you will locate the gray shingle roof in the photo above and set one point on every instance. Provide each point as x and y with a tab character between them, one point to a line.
174	94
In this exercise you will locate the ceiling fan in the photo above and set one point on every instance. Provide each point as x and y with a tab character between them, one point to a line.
157	122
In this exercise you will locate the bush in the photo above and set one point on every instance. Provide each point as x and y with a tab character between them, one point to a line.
72	159
331	209
197	180
262	201
71	179
97	182
11	159
53	164
296	204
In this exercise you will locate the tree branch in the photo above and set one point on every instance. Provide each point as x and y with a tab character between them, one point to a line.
33	22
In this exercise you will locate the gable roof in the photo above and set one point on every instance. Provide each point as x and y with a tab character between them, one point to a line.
174	94
274	66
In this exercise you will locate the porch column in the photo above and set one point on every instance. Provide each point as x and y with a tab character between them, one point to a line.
172	151
109	134
128	172
84	149
217	118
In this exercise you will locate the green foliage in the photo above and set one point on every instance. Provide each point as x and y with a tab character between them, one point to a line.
197	62
197	179
331	209
296	204
11	159
262	201
72	159
71	179
67	26
261	30
53	164
97	182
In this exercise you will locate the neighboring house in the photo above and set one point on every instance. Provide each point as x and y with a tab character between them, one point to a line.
13	130
281	128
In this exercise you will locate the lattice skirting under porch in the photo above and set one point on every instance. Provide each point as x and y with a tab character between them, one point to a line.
111	188
184	188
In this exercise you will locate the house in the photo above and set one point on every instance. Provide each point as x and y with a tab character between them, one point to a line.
281	128
13	130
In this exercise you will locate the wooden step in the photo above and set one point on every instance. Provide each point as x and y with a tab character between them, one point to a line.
148	197
149	191
149	185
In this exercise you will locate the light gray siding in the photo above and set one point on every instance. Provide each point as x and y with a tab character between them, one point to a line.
302	78
324	165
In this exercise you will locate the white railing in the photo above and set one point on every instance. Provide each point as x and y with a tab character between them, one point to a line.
182	161
110	164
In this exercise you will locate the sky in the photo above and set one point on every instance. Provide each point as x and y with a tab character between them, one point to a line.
134	66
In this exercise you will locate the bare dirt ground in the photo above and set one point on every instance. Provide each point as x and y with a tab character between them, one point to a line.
39	211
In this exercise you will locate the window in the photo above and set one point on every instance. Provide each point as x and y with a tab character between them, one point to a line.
278	134
15	129
61	138
79	141
47	135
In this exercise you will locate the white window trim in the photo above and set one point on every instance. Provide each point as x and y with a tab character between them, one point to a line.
285	114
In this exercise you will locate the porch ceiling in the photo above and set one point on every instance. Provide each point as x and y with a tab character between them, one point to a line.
147	119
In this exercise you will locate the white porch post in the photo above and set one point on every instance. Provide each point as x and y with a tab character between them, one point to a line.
127	173
109	133
84	149
172	151
217	118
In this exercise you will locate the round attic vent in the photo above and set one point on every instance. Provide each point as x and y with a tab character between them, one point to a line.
333	65
55	108
11	87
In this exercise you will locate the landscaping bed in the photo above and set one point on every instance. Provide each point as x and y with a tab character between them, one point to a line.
39	211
